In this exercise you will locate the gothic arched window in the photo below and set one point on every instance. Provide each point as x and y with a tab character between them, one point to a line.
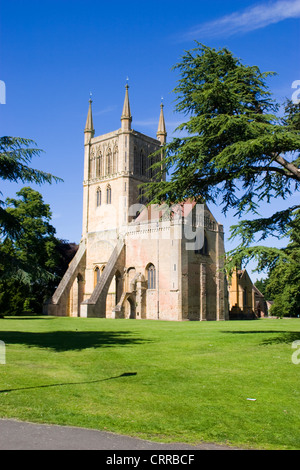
101	167
98	199
108	195
151	271
109	162
115	160
98	164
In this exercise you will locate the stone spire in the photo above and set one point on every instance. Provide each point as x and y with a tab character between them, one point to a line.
161	131
89	130
126	117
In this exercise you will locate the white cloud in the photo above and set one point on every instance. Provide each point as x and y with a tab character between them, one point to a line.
250	19
106	110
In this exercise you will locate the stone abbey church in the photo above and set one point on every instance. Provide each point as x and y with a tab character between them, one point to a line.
138	261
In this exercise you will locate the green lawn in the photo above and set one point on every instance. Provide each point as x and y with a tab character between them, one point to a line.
165	381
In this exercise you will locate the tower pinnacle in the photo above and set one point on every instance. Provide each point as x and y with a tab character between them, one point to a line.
161	131
126	117
89	130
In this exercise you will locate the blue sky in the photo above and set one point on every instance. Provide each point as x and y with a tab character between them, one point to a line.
54	53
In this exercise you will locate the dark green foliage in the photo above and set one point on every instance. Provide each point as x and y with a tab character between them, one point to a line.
15	155
33	262
234	144
28	247
29	259
283	283
236	151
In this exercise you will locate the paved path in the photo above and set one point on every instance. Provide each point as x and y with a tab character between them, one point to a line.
18	435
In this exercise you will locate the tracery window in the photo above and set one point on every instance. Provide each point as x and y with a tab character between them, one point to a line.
151	276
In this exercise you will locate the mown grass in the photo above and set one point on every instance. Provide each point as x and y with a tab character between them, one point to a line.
165	381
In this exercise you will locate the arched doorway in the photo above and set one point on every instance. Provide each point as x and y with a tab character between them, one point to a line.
131	308
129	278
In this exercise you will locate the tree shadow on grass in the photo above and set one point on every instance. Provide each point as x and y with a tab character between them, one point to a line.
60	341
277	337
126	374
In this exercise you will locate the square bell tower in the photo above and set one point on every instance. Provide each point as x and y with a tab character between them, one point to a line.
115	164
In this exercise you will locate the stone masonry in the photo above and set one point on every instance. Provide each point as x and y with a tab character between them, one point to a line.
138	261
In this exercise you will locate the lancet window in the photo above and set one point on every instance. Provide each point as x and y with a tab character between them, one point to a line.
108	162
108	194
98	197
151	276
115	160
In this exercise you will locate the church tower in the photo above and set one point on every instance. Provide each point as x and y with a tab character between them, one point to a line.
115	164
